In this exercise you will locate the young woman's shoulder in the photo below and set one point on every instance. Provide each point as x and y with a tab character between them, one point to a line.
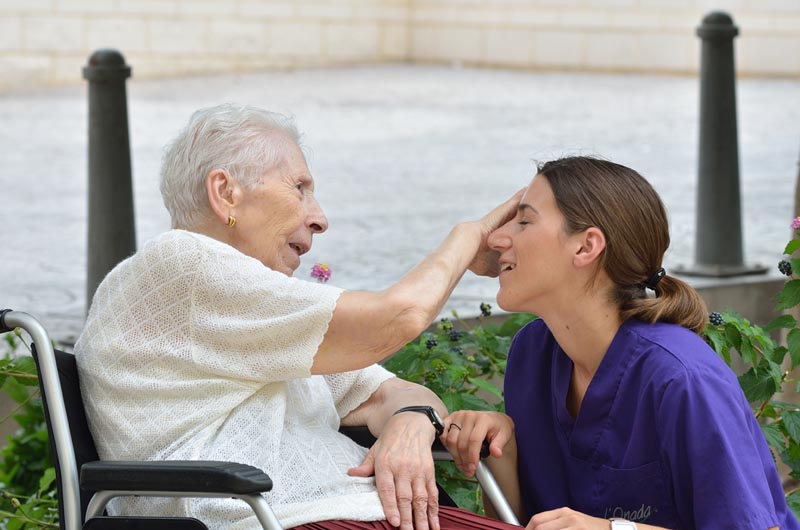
669	352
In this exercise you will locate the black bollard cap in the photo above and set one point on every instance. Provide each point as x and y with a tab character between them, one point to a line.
717	25
106	65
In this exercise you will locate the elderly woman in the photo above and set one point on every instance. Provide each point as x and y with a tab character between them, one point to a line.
203	346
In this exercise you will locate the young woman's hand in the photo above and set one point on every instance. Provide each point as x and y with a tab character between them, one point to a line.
563	518
465	431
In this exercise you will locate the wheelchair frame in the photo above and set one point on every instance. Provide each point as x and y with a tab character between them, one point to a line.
111	479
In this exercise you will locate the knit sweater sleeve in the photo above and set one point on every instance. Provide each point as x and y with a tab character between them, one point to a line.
250	322
351	389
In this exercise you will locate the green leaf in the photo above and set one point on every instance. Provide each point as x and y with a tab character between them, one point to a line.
514	323
453	402
791	421
47	479
785	405
732	335
793	500
793	342
792	246
473	402
783	321
774	437
757	386
789	295
717	341
747	352
486	386
16	390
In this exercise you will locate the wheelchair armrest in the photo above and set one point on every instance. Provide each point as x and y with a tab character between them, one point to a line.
364	438
174	476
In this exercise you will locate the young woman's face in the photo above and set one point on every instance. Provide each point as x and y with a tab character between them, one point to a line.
535	255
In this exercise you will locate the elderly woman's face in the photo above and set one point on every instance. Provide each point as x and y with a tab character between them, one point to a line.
278	218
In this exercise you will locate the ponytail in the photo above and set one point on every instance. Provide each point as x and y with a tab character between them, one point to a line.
675	302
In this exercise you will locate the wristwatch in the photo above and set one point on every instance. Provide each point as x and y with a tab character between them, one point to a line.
622	524
429	411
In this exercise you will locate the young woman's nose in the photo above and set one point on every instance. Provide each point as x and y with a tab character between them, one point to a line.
500	239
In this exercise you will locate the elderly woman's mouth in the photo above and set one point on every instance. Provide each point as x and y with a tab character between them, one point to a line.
300	249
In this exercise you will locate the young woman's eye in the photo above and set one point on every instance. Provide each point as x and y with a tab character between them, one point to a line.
522	222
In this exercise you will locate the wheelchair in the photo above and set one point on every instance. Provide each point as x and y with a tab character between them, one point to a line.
85	484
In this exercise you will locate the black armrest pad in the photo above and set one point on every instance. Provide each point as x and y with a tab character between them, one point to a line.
174	476
363	437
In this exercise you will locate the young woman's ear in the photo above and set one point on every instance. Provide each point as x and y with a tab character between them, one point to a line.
592	243
222	194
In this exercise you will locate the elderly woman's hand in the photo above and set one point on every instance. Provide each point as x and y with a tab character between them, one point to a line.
485	261
402	462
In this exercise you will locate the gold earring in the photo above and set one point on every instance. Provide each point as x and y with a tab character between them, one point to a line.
231	221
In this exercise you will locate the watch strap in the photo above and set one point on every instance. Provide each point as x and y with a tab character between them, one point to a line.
429	411
622	524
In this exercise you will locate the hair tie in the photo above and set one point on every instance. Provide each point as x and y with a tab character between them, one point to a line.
655	278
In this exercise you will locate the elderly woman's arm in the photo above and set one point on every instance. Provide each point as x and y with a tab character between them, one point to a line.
366	326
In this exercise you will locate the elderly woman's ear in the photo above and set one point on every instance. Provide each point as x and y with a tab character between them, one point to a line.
223	195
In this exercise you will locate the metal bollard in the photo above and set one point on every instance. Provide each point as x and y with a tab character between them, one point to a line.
111	233
718	240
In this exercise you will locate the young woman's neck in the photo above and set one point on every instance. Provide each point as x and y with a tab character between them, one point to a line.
584	328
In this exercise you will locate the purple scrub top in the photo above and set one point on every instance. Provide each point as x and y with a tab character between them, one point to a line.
664	435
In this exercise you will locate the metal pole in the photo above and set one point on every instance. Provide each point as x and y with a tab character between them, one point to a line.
111	233
718	243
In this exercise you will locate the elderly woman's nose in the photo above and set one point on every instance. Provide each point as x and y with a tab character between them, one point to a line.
316	220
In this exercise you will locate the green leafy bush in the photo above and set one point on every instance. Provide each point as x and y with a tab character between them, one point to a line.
768	366
27	476
465	366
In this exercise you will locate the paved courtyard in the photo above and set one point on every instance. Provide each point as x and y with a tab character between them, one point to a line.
400	154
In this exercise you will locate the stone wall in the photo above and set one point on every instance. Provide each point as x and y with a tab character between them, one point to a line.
607	35
48	41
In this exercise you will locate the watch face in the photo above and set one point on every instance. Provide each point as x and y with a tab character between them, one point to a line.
438	419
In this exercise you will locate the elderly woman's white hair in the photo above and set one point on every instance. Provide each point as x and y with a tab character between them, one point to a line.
237	138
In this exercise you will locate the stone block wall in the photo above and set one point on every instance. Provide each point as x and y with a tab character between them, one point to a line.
48	41
606	35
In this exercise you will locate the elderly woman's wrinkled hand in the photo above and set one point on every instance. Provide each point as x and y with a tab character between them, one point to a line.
402	463
485	262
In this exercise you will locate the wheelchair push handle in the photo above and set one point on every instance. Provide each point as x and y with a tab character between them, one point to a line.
3	327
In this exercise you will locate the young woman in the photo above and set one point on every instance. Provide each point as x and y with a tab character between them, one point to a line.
616	407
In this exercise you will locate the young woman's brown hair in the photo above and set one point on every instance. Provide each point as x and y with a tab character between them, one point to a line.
621	203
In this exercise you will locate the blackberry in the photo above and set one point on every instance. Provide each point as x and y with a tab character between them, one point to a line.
486	310
716	319
457	349
785	267
431	342
445	325
454	336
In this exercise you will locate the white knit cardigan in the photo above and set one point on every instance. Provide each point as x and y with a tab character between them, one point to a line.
193	350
